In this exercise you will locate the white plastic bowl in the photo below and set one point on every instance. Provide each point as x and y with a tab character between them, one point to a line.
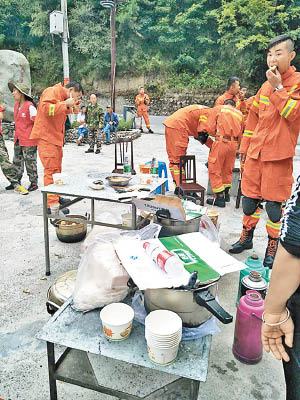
162	356
117	321
60	179
163	323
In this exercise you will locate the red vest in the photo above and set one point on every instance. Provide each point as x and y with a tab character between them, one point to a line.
23	124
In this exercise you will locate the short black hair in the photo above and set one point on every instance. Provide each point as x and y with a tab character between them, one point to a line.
76	85
243	86
282	38
231	80
230	101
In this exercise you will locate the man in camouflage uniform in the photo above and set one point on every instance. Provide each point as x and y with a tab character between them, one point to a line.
27	154
9	170
95	120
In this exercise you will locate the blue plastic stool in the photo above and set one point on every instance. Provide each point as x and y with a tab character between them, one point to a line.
162	167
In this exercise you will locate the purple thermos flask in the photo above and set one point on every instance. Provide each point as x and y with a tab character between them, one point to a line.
247	345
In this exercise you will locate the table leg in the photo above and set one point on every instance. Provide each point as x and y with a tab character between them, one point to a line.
46	233
92	212
133	224
194	389
51	370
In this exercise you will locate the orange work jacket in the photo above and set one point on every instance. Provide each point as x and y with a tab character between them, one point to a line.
49	124
223	120
273	123
142	101
186	119
240	105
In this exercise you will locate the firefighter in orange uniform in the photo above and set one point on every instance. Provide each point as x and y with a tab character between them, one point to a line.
234	93
268	146
178	127
55	104
226	124
142	101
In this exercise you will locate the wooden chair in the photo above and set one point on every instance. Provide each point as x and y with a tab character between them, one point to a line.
187	179
121	148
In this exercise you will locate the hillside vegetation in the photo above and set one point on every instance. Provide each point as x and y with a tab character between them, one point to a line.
181	44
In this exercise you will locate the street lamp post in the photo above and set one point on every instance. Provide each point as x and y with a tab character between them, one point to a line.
112	4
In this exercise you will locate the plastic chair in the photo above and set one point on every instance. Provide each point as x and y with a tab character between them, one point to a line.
187	179
162	168
123	144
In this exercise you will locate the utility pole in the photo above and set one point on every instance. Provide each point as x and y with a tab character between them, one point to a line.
112	4
64	41
113	55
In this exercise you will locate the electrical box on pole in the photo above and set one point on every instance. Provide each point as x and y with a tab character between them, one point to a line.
56	23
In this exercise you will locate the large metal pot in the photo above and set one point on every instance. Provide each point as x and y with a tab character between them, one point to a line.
173	227
194	306
61	290
71	232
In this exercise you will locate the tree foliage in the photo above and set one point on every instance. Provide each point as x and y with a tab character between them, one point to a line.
189	44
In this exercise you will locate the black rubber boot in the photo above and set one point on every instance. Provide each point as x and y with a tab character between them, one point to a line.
244	243
64	202
89	150
227	194
218	200
10	187
176	191
150	131
141	130
270	252
63	210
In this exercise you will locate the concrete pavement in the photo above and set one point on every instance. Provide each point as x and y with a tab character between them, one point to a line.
23	361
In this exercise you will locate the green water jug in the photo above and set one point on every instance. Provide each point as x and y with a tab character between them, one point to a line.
253	263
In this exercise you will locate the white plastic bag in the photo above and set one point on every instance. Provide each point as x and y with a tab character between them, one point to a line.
208	229
101	279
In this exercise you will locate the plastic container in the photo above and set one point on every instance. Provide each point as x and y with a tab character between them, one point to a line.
145	169
60	179
253	263
146	179
117	321
247	345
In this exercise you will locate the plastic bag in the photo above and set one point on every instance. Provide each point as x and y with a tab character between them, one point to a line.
208	229
101	279
210	327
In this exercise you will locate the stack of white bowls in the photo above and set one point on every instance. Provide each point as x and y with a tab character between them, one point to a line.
163	334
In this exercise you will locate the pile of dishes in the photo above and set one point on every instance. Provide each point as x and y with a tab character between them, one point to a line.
163	334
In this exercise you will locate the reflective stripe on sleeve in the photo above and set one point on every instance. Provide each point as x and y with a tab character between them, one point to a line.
288	108
51	110
248	133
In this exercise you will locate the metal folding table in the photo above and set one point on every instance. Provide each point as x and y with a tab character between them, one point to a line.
122	369
78	188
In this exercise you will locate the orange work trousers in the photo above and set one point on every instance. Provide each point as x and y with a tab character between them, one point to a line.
268	180
51	158
221	161
144	114
176	144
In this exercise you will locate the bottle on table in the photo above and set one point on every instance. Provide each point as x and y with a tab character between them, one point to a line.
127	166
165	260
